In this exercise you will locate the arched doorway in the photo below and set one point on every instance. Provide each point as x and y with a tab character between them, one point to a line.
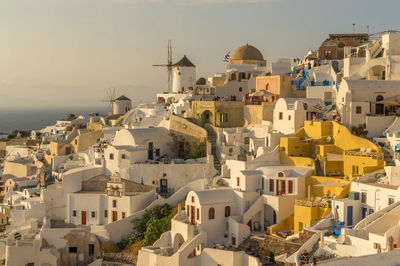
207	118
377	73
178	241
379	107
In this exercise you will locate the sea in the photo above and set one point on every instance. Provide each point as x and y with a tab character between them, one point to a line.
38	118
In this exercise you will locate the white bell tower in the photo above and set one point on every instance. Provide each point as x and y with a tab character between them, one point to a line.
184	75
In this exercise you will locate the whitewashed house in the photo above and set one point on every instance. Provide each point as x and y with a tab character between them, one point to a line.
98	208
374	103
290	113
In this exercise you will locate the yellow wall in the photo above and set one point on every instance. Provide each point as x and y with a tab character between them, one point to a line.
308	215
83	141
216	108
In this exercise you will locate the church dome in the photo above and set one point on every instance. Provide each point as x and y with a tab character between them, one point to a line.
246	52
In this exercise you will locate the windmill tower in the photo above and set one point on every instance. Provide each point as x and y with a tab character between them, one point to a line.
168	65
110	100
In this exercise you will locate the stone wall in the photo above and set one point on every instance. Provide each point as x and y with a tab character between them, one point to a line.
277	245
191	132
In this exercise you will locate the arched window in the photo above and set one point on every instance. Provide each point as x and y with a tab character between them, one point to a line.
227	211
280	174
211	213
379	98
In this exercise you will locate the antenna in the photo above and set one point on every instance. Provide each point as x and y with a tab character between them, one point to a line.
354	27
368	29
111	98
168	65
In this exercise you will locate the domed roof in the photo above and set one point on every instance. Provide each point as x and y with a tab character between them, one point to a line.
201	81
247	52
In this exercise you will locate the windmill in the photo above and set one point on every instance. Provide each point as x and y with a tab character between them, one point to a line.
168	65
111	98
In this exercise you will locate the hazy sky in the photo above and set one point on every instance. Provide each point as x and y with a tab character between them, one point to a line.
67	52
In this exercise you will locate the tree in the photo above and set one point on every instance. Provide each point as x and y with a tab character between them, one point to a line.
156	227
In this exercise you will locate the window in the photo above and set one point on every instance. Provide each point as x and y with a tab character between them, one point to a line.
290	189
192	199
280	115
105	213
68	150
289	117
111	156
224	117
358	109
74	213
91	249
157	152
240	89
246	140
283	187
187	210
211	213
271	185
280	174
114	203
123	156
73	250
237	181
198	213
227	211
123	215
363	197
390	200
93	214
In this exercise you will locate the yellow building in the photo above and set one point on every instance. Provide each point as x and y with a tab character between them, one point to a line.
336	156
218	113
78	141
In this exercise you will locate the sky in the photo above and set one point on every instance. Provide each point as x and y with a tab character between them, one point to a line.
61	53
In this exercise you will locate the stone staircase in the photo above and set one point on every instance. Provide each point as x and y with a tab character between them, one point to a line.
212	138
388	158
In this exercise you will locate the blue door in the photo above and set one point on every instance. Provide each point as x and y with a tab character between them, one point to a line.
364	213
350	215
150	151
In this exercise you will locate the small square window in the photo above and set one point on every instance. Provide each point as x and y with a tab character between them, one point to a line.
73	250
111	156
93	214
123	156
114	203
192	199
105	213
74	213
289	117
280	115
123	215
358	110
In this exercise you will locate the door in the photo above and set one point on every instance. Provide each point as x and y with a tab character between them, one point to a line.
364	213
163	185
83	214
192	215
249	224
150	155
114	216
233	241
349	215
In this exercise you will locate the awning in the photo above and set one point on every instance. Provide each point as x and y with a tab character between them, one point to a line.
261	93
393	101
334	157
